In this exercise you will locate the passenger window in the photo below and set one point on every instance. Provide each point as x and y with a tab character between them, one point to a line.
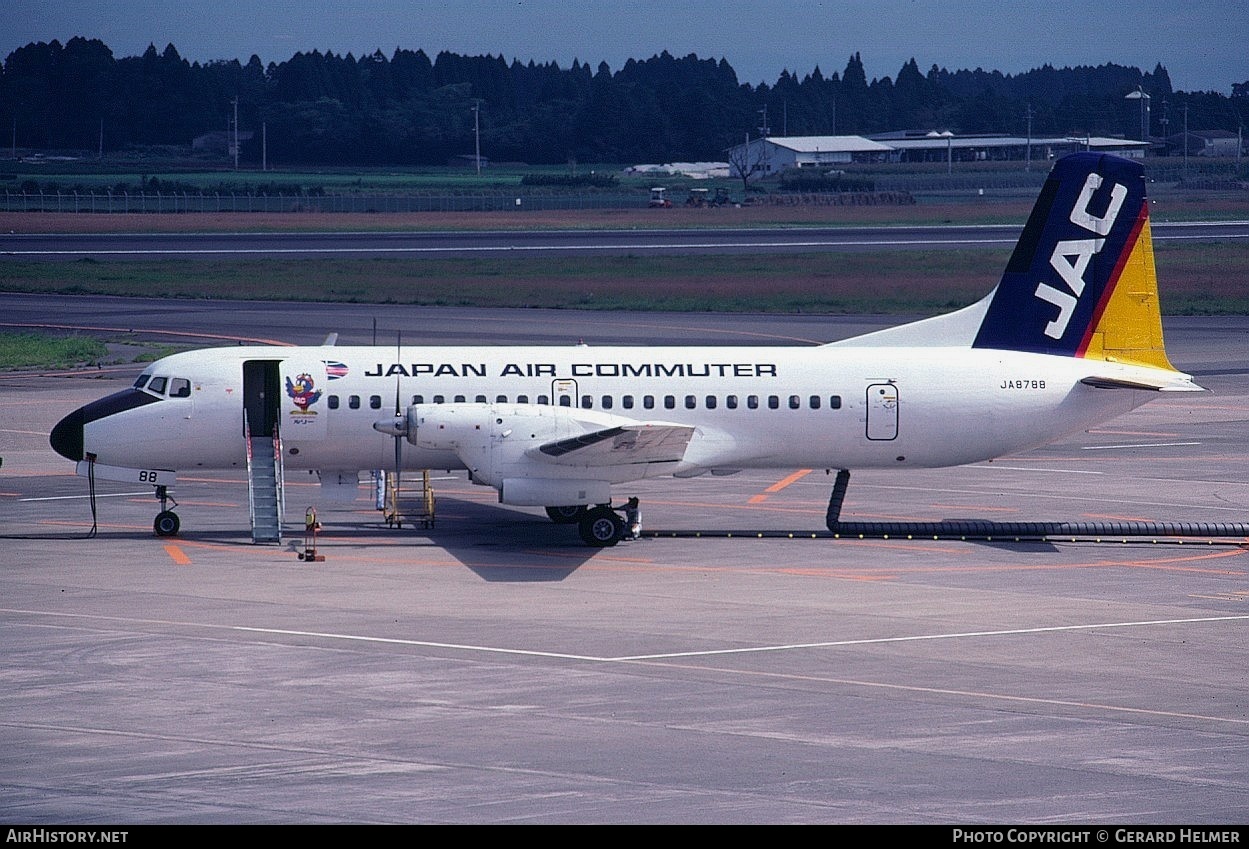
157	385
440	399
418	399
565	400
607	402
586	402
353	401
834	402
795	403
752	401
627	402
690	402
648	401
670	402
480	399
332	402
375	402
500	399
542	399
731	402
522	399
179	387
711	402
815	402
774	402
460	399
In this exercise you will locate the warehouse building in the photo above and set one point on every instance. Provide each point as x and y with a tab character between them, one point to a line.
770	155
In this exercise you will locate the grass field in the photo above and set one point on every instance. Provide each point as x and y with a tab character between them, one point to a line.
1195	277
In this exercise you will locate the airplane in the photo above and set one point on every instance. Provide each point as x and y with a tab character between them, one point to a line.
1071	336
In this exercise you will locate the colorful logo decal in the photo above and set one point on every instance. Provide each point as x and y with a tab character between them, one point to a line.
303	392
334	370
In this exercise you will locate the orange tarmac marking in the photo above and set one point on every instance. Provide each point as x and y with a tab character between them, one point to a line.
177	555
779	485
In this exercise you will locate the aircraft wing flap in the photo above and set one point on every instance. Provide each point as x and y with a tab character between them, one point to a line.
621	445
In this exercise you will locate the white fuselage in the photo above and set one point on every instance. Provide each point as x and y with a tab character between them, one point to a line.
824	407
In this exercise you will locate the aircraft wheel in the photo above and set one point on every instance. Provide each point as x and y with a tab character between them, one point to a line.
566	515
601	527
167	523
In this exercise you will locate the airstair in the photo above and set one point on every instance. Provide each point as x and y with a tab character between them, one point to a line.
265	496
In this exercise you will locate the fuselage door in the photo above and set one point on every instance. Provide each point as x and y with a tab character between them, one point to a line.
262	396
564	392
882	411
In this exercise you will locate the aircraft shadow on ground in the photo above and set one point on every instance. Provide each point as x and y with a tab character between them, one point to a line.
497	543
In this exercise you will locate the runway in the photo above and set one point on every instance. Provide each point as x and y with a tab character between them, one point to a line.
470	243
495	670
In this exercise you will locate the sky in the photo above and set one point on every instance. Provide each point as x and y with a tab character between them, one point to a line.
1201	43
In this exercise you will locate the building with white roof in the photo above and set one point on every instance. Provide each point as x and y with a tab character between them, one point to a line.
770	155
944	146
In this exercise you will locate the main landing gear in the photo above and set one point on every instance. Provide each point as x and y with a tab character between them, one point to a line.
167	522
599	526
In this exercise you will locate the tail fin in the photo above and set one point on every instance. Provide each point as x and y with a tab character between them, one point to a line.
1081	282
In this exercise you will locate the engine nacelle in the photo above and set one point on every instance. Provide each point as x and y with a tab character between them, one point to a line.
450	427
495	442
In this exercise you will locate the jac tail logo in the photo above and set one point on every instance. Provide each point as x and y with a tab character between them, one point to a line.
1071	257
304	393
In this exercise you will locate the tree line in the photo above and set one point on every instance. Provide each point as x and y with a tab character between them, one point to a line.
327	108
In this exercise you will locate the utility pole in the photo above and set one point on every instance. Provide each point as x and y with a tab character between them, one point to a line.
764	132
1028	159
477	135
1186	142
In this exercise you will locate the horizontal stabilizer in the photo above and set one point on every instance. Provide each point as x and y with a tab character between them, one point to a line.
1164	382
621	445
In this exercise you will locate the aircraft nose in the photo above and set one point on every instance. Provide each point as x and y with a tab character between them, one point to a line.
66	437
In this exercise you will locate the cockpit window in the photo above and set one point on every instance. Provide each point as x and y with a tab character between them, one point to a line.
179	387
157	385
142	381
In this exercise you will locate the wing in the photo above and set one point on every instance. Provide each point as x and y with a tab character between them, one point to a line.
621	445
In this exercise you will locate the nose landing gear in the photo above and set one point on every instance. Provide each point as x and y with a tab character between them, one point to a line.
167	522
